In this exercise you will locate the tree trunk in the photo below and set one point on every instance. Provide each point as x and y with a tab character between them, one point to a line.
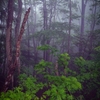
92	27
70	18
17	27
33	29
44	26
83	4
28	45
27	36
8	33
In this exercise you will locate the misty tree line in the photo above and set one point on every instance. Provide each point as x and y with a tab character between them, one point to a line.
53	27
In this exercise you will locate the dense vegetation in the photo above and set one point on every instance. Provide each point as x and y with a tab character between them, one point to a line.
67	85
59	58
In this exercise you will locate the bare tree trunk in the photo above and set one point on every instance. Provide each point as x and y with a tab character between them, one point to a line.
28	40
51	13
92	27
28	44
17	27
83	4
18	20
33	29
44	25
45	15
70	18
55	5
8	33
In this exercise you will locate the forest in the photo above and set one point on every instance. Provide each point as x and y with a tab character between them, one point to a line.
49	50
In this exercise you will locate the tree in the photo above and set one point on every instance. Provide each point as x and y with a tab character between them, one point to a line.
8	34
83	5
11	64
70	19
17	27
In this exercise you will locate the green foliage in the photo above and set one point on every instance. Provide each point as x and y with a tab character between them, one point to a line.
43	47
41	66
63	59
27	84
89	74
16	94
61	86
30	85
88	69
97	48
53	50
80	61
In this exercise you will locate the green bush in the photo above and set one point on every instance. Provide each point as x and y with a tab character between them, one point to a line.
62	87
58	87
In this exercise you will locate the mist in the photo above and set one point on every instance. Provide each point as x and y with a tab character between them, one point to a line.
49	49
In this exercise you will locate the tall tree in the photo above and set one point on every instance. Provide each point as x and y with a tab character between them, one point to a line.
8	33
83	7
45	24
70	18
17	27
92	26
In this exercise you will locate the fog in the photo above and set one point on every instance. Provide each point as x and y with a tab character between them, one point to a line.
49	50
